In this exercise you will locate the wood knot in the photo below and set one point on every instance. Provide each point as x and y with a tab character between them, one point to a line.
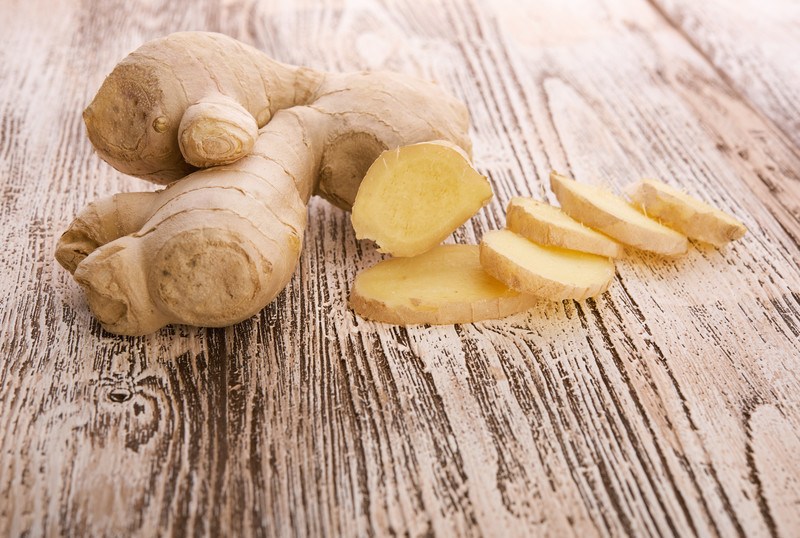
119	395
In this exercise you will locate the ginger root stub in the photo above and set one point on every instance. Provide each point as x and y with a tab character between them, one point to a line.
218	245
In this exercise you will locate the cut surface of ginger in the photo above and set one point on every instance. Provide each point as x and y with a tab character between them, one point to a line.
548	225
549	272
442	286
613	216
688	215
414	196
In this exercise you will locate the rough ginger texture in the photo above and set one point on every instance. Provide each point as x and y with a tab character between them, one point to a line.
217	246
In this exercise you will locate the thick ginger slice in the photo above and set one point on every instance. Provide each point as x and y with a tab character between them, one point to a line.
688	215
613	216
548	272
442	286
548	225
414	196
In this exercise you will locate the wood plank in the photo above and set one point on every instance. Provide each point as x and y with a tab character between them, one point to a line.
669	406
754	46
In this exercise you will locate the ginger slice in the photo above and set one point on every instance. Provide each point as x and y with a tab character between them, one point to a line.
549	272
442	286
688	215
613	216
548	225
414	196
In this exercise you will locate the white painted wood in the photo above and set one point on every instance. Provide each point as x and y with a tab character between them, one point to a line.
669	406
753	45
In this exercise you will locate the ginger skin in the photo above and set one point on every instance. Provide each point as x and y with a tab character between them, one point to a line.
217	246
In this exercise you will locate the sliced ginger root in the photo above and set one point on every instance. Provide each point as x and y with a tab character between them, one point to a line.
544	271
693	218
414	196
218	245
600	209
442	286
548	225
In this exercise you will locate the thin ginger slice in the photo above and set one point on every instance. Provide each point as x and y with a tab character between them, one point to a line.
544	271
688	215
613	216
548	225
442	286
414	196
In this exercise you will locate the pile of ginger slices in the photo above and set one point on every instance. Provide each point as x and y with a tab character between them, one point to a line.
413	197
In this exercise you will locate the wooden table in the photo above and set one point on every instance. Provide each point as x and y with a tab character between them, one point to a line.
670	405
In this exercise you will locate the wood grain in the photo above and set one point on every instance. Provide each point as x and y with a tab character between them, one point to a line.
753	46
668	406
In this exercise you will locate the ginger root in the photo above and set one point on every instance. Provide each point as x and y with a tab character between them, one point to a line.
218	245
414	196
442	286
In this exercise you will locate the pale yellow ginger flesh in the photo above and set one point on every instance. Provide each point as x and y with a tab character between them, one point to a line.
605	212
548	225
442	286
549	272
414	196
693	218
218	245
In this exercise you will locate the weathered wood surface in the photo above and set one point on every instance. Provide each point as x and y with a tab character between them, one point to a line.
754	45
669	406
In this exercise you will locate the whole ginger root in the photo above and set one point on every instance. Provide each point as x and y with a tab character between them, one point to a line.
216	246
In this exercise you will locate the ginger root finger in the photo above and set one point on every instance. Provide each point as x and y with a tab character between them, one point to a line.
413	197
598	208
101	222
442	286
190	270
688	215
211	254
548	272
215	131
370	112
548	225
